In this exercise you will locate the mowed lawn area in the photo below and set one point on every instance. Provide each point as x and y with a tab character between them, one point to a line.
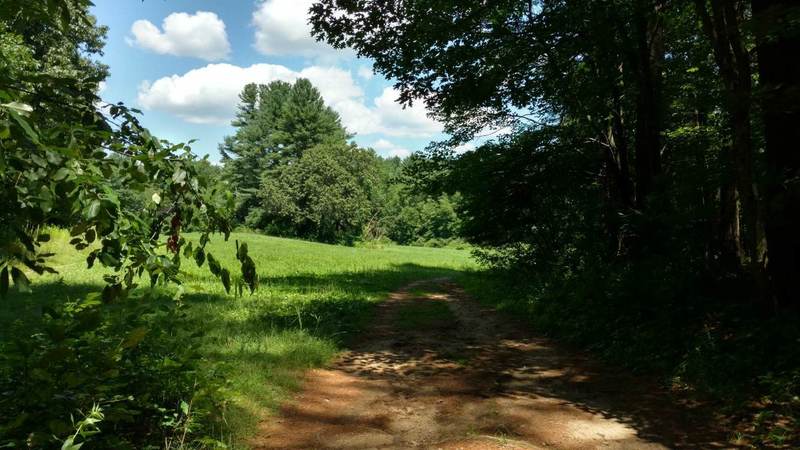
312	298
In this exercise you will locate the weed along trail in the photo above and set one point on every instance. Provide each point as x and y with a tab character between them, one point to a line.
437	370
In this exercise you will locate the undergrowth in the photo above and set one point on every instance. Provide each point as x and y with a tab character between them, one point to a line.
699	335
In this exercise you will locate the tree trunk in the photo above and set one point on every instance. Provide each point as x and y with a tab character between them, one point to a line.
721	25
778	50
729	230
649	57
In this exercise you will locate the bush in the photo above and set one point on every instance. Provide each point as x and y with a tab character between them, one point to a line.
133	363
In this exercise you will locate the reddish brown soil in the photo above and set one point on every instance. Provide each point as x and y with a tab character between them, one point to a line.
475	382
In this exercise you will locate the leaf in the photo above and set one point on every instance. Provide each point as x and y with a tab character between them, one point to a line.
109	260
242	253
4	282
199	256
213	265
25	126
226	279
22	109
20	280
61	174
187	250
179	177
70	445
66	18
135	337
94	209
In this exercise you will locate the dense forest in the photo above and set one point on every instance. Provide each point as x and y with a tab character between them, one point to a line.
648	191
638	197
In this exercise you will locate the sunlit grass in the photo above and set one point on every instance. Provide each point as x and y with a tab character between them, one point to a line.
312	298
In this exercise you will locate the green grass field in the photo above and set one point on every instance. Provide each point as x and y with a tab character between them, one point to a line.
312	298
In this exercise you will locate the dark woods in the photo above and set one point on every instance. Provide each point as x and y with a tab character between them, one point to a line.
679	109
648	184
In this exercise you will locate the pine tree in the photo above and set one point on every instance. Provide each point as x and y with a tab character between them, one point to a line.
275	124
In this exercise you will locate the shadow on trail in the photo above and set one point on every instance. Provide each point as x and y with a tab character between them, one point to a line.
479	366
482	373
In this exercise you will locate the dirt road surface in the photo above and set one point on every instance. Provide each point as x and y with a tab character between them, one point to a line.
472	379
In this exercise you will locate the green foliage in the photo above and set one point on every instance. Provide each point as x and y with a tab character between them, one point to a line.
138	361
224	359
55	166
295	175
637	188
275	124
421	220
114	353
326	195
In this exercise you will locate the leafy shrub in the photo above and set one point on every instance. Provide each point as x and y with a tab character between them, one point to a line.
132	362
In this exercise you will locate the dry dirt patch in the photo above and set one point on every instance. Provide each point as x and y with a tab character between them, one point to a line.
462	377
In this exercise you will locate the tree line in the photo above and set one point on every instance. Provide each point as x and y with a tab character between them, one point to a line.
295	172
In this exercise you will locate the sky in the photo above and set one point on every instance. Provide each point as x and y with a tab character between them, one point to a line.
184	62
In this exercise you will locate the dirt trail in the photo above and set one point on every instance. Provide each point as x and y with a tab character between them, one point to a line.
472	380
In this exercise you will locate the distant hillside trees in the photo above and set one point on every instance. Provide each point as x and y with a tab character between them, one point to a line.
294	173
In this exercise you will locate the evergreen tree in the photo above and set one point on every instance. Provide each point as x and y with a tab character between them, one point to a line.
275	124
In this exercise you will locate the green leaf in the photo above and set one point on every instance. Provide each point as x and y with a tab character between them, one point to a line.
213	265
61	174
187	250
69	444
226	279
199	256
25	126
90	260
242	253
179	177
22	109
94	209
135	337
20	280
108	259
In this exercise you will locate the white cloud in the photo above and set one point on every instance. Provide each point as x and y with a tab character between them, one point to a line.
408	121
201	35
282	28
210	95
387	148
464	148
365	73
